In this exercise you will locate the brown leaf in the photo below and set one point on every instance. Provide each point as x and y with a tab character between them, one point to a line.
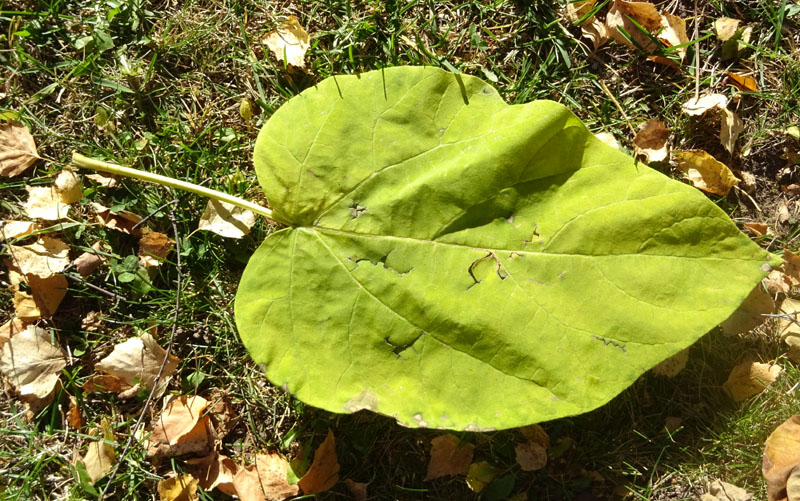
726	28
153	248
758	229
17	149
673	365
264	481
88	262
644	13
289	43
791	266
180	488
16	229
32	364
139	360
357	489
74	415
730	128
750	314
100	456
214	471
705	172
123	220
575	11
68	186
449	457
781	456
181	428
534	433
104	382
651	141
531	456
596	31
698	106
43	258
777	283
223	417
226	219
324	471
743	82
45	203
750	378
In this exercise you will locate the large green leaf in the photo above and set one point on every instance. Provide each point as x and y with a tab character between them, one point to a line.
456	262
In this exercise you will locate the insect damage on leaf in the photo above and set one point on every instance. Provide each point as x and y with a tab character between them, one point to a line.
473	262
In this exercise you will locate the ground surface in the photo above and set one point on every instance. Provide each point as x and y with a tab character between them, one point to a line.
159	85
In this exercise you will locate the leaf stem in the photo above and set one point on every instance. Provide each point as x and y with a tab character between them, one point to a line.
84	162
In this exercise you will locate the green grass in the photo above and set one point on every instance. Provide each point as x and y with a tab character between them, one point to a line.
171	85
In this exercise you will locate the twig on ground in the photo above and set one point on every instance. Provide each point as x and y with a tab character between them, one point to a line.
616	103
168	350
116	297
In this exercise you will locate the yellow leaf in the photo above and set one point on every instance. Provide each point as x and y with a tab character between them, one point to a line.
726	28
731	127
743	82
750	378
480	475
781	456
17	149
289	43
32	364
181	488
16	229
324	471
44	258
673	33
226	219
100	456
68	186
44	297
45	203
644	13
705	172
575	11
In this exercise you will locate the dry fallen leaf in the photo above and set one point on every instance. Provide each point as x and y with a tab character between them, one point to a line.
621	16
17	149
750	378
789	328
730	128
743	82
791	266
534	433
153	248
575	11
673	365
16	229
68	186
183	427
123	220
698	106
723	491
596	31
214	471
758	229
608	138
32	364
781	456
180	488
100	456
750	314
651	141
104	180
777	283
480	475
10	328
45	203
705	172
226	219
88	262
357	489
324	471
139	360
531	456
726	28
104	382
673	33
449	457
74	415
264	481
289	43
44	297
43	258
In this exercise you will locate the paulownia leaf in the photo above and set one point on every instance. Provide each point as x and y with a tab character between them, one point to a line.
453	261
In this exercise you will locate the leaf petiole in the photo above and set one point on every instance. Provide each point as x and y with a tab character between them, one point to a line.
84	162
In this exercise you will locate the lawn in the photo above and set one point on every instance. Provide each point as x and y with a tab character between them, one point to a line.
182	89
